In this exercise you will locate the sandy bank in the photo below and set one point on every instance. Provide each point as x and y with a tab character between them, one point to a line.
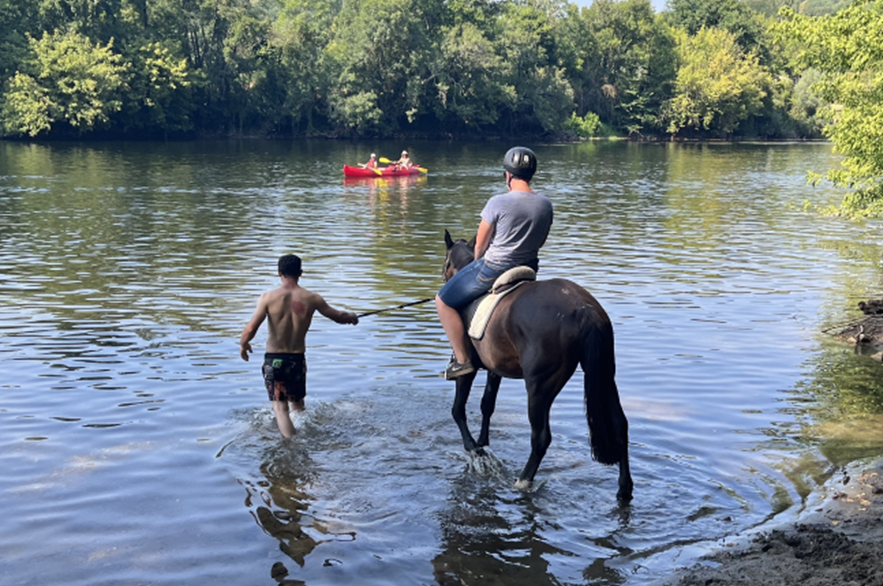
837	540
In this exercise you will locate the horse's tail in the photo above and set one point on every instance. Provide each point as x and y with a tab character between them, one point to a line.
608	426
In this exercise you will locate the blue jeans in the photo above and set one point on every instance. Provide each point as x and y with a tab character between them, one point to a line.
469	283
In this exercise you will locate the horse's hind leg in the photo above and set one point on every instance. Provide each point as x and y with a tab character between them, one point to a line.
626	485
458	411
488	403
539	402
621	424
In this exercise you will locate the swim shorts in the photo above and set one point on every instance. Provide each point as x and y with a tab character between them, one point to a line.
285	376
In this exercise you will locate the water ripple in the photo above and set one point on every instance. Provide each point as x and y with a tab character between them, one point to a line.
138	447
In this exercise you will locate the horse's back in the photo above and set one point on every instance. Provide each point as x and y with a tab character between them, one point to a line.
552	300
540	319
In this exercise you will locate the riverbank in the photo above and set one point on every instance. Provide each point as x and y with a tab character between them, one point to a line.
837	539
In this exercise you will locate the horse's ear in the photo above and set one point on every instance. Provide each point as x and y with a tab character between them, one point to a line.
448	241
471	242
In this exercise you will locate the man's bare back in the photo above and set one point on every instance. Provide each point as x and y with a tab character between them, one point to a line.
289	313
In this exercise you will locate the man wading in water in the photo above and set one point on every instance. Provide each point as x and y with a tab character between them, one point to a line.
289	310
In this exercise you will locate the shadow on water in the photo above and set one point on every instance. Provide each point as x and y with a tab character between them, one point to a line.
493	534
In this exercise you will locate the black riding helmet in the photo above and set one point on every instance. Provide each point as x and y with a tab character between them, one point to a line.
521	162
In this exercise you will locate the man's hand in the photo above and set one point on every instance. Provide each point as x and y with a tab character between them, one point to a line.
244	349
353	319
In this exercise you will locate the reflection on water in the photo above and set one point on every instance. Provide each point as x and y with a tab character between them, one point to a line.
138	448
279	502
501	544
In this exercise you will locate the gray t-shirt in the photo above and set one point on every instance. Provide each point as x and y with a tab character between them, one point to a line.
521	221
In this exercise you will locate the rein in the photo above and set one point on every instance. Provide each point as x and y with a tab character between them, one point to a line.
396	307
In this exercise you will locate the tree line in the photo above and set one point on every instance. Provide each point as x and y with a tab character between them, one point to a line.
368	68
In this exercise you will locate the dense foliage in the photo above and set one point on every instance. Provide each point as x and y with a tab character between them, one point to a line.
701	68
847	50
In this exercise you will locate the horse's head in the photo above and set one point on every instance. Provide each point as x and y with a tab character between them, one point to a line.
459	254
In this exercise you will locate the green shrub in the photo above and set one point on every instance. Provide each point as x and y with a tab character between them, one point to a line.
584	127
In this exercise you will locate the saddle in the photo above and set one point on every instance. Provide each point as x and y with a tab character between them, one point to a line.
477	314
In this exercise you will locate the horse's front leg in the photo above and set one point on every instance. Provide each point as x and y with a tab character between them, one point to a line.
488	403
458	411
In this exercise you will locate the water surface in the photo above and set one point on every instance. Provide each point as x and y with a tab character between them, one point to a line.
137	447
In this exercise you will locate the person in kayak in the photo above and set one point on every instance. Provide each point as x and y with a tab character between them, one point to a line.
513	228
289	310
372	162
404	162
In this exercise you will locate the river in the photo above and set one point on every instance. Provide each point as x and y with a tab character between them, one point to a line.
137	448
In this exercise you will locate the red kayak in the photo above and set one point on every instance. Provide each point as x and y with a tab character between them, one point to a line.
384	172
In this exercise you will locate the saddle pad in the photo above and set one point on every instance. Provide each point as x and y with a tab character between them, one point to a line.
482	309
512	276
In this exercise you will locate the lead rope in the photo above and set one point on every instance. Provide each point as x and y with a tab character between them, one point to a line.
396	307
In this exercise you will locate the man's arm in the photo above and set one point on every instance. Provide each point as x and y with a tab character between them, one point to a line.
548	229
483	238
341	317
252	328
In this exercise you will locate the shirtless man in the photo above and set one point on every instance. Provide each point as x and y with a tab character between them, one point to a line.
289	310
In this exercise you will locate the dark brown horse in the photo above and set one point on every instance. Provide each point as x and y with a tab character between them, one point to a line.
539	333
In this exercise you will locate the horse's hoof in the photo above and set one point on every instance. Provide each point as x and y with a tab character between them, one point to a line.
523	484
624	498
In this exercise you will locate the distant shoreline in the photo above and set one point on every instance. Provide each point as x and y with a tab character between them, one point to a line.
544	139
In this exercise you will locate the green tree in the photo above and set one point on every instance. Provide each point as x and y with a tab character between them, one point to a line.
735	16
300	34
26	108
805	106
543	98
808	7
100	20
470	79
160	91
379	53
69	81
225	44
847	48
16	19
253	94
480	13
577	51
718	86
635	67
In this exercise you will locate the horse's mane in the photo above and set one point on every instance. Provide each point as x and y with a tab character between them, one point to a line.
462	252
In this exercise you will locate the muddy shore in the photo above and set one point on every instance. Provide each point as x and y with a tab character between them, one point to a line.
837	540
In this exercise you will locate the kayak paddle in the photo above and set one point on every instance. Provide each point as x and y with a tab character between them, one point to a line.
375	169
388	162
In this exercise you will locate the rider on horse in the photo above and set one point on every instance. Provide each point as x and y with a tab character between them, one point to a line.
513	227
